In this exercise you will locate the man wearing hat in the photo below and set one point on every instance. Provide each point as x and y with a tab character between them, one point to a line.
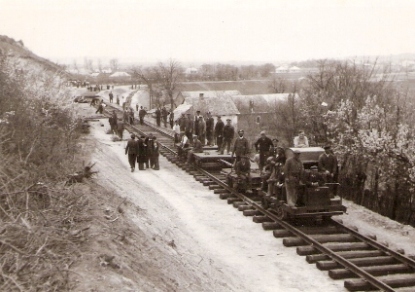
293	171
264	146
241	146
196	123
219	133
327	164
131	150
209	128
228	133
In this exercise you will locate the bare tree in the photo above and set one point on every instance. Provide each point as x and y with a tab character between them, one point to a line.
88	64
168	76
147	76
277	84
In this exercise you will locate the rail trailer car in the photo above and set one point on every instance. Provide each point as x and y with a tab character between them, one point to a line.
317	201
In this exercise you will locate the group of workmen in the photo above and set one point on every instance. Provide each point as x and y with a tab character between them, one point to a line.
205	130
290	173
144	151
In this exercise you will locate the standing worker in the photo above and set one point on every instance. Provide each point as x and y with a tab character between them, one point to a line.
201	130
264	146
171	119
293	171
241	146
131	150
189	127
158	116
209	129
141	114
228	133
219	133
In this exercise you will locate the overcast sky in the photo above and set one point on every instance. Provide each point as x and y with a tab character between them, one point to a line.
210	30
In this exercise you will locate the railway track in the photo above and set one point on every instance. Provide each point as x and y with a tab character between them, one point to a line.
362	262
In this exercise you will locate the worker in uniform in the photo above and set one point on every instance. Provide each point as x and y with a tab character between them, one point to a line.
201	130
111	96
113	121
196	123
131	150
141	114
264	146
293	171
241	146
243	173
228	133
197	147
219	132
301	140
314	178
327	164
189	127
209	129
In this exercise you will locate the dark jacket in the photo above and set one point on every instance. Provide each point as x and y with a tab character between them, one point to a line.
327	162
209	125
264	144
241	146
132	147
219	128
228	132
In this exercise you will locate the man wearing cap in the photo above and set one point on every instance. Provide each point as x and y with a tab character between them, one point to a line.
219	133
241	146
293	171
264	146
196	123
314	178
209	128
228	133
131	150
327	164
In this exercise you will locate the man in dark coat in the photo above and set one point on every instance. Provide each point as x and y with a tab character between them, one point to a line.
241	146
164	115
158	116
182	123
228	133
219	132
141	114
141	154
113	122
189	127
264	146
153	150
196	123
111	96
209	128
132	150
327	164
313	178
171	119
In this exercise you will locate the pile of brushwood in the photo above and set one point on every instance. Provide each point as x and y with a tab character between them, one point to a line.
40	214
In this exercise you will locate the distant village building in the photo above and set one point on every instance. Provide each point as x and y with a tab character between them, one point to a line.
257	113
191	71
119	74
182	95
